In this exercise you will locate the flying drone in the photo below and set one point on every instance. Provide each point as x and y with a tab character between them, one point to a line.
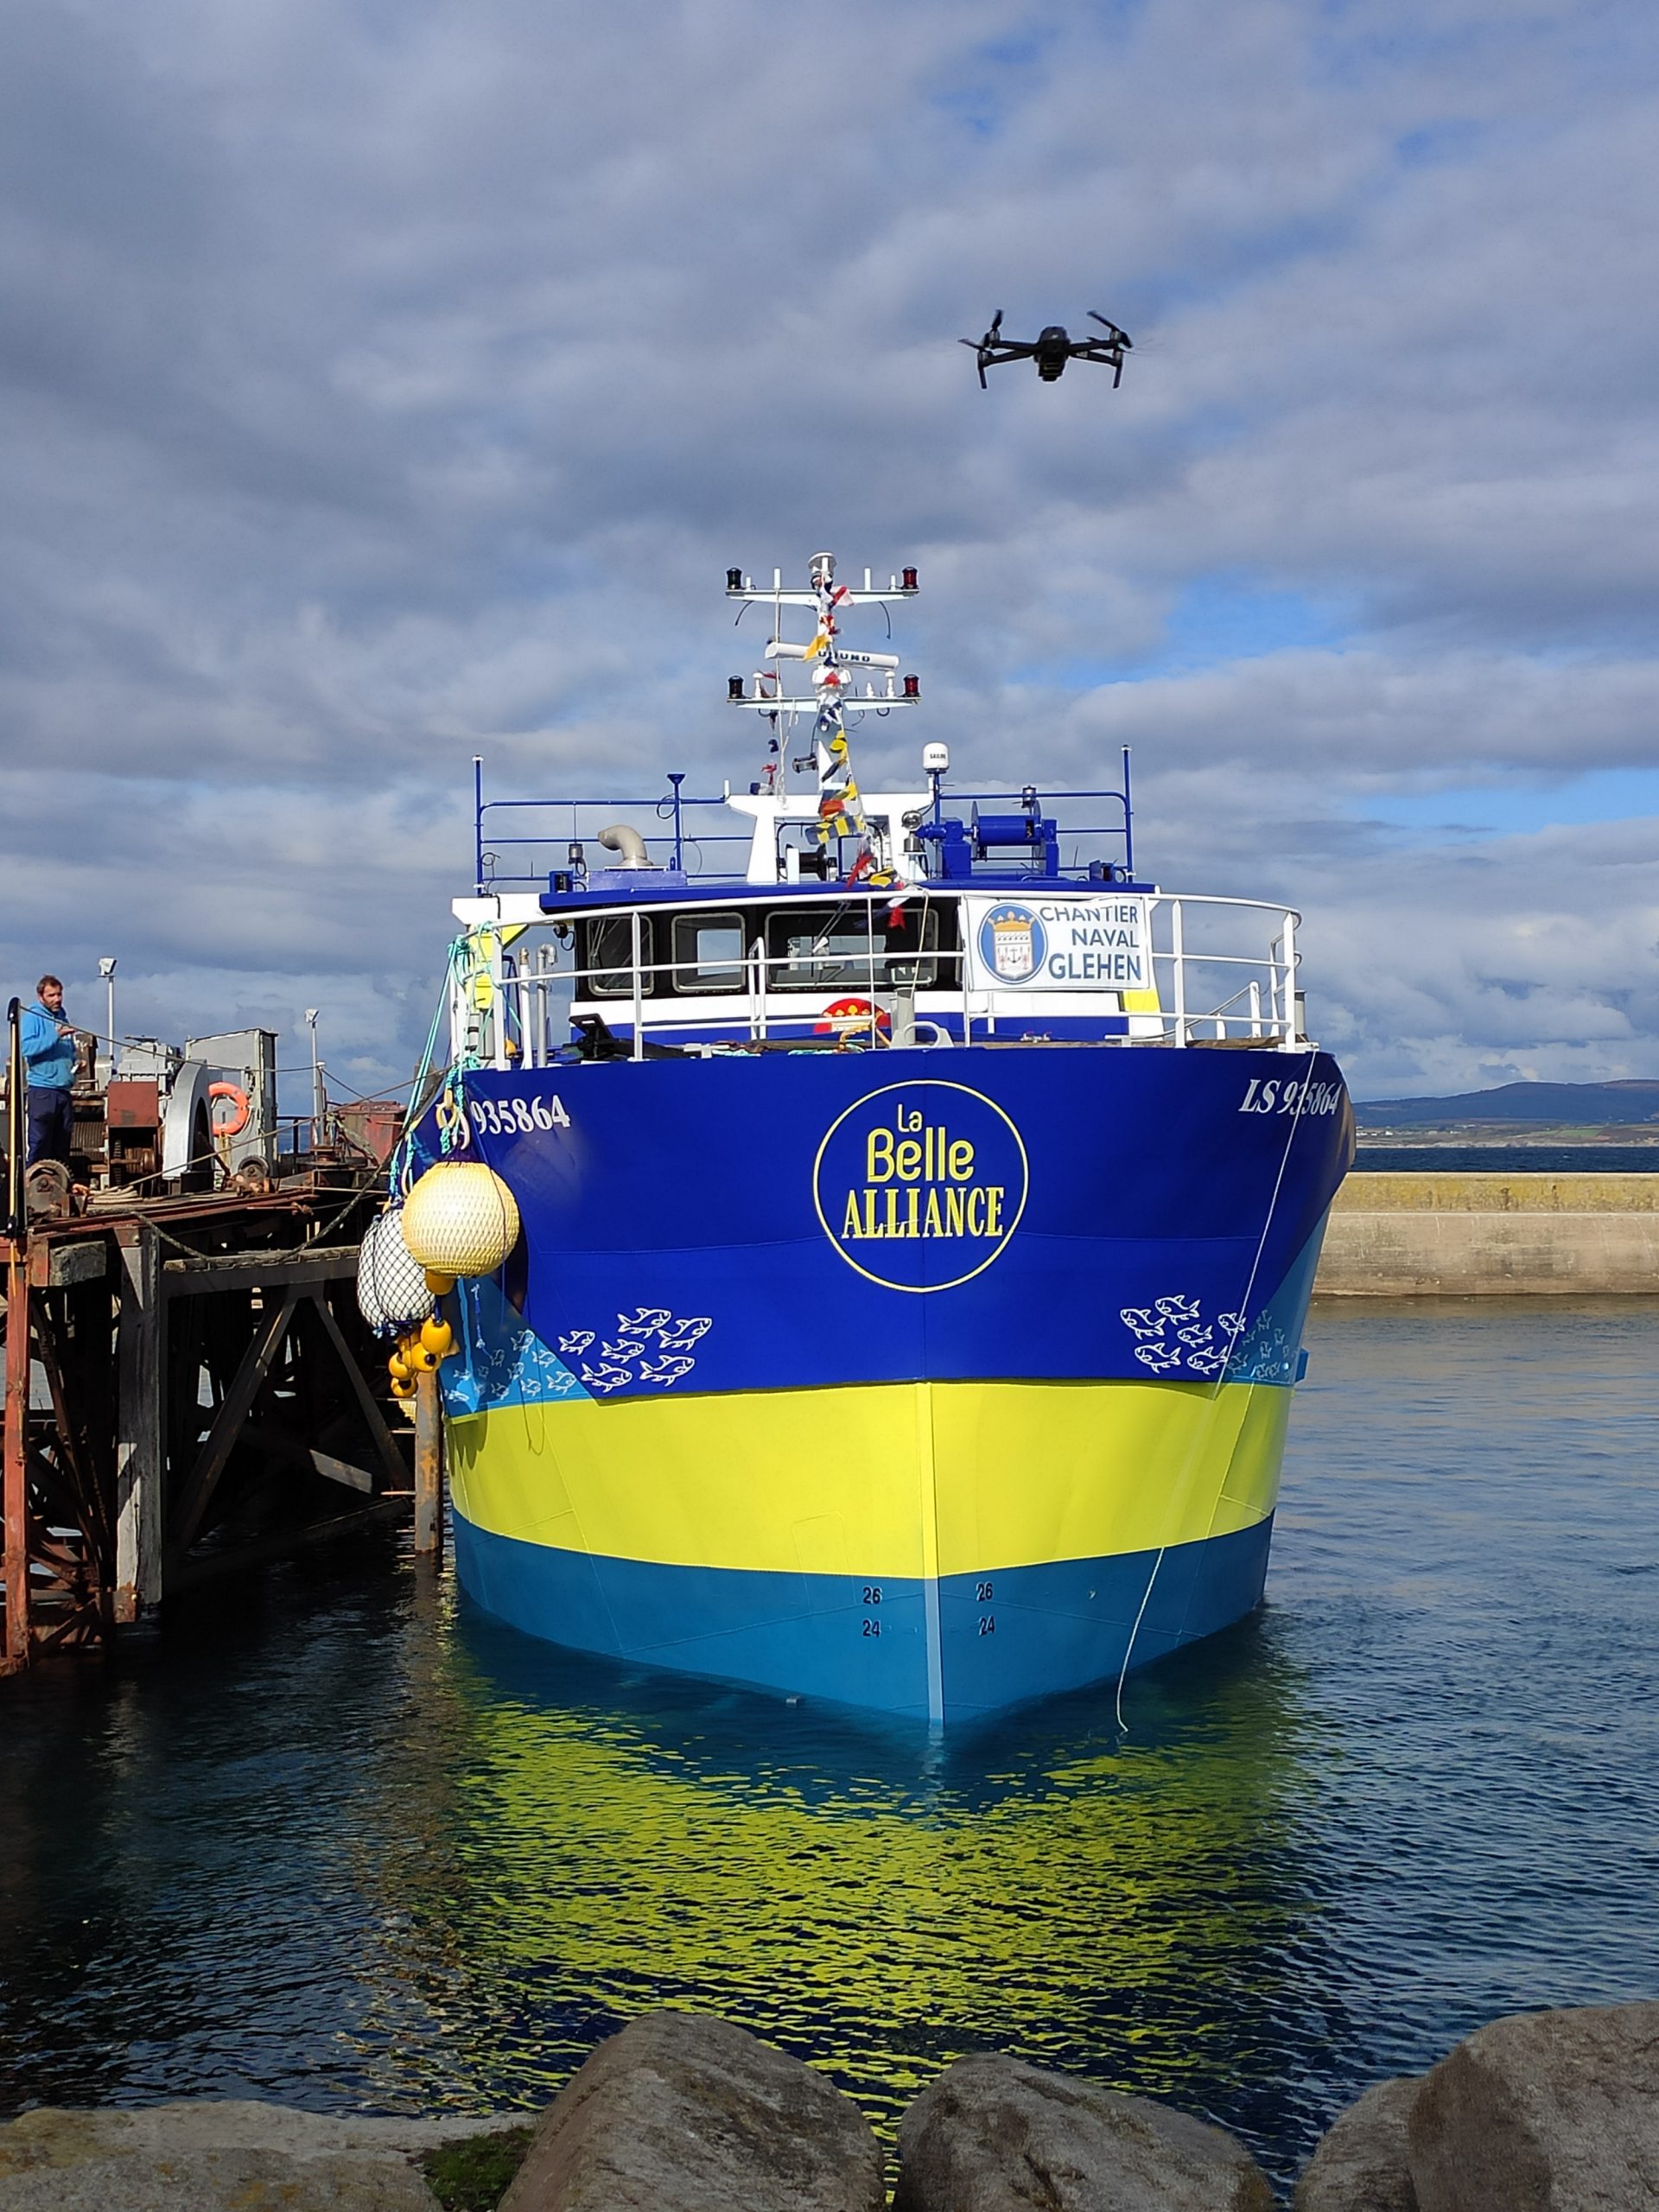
1051	349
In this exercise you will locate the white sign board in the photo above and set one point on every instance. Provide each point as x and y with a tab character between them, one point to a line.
1039	944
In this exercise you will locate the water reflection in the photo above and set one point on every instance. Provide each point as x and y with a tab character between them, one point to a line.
871	1899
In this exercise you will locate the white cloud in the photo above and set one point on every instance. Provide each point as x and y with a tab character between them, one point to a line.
384	385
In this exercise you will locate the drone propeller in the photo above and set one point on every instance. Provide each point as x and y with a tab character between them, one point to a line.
1116	336
992	339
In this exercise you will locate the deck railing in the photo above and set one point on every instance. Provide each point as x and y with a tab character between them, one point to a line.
515	1009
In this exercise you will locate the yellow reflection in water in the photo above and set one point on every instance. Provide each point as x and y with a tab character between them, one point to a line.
871	1901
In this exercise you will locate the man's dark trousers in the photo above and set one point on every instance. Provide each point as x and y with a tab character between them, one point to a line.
51	1123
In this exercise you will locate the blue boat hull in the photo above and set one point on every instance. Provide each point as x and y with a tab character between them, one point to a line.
929	1382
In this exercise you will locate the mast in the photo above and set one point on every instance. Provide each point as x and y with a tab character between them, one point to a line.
835	680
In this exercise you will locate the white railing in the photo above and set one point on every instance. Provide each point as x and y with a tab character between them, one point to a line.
517	1013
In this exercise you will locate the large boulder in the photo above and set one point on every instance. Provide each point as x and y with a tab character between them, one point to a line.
685	2113
995	2135
1543	2112
1362	2162
210	2155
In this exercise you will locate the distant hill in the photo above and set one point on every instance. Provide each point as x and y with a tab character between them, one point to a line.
1580	1105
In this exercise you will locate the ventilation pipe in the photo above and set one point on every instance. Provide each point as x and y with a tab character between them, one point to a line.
627	844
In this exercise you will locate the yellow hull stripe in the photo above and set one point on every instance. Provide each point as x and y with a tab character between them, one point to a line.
892	1478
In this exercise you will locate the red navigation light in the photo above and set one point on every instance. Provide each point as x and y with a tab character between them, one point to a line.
913	687
910	579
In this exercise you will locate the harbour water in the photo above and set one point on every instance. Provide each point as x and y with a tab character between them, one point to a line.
331	1840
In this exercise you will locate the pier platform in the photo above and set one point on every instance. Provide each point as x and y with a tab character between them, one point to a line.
190	1389
1437	1234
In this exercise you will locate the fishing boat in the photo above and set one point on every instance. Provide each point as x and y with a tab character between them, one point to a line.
917	1210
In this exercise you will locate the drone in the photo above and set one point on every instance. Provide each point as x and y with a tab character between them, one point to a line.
1051	349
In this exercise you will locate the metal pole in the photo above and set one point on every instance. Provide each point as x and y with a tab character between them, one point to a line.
14	1466
1178	961
17	1124
106	969
1129	822
16	1455
1290	979
319	1103
478	822
679	856
428	1467
637	924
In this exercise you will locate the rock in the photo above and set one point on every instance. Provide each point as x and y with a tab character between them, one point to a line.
1543	2112
208	2155
1360	2164
685	2113
992	2135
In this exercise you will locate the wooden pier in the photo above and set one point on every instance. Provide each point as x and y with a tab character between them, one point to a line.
190	1389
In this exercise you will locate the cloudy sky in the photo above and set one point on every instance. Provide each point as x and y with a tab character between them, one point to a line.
385	383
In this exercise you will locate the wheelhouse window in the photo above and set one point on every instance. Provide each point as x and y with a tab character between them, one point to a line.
708	953
852	944
605	951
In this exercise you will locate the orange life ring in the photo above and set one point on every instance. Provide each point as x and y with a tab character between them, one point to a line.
239	1121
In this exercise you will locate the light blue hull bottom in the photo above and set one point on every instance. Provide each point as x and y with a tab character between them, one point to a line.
996	1640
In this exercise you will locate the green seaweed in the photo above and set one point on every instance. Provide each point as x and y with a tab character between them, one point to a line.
472	2175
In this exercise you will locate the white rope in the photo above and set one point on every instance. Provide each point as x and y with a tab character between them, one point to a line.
1215	1388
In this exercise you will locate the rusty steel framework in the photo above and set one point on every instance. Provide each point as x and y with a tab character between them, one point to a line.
188	1389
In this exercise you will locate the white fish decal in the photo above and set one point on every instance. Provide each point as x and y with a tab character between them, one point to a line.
1155	1357
665	1370
685	1334
1197	1334
646	1322
1138	1318
1178	1308
605	1378
577	1341
624	1348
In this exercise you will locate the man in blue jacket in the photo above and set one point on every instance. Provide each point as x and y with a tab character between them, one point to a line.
49	1044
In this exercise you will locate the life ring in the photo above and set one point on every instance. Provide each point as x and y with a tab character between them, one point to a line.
850	1018
239	1121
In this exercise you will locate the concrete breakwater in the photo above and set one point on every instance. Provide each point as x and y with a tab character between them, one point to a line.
1455	1235
1541	2112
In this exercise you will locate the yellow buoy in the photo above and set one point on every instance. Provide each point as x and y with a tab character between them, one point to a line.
461	1219
398	1367
421	1361
438	1338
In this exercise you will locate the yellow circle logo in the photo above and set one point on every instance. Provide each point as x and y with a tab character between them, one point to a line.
919	1185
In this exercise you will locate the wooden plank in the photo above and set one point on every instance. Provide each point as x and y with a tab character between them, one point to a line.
428	1466
56	1263
341	1471
391	1458
193	1278
262	1348
139	1451
15	1480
